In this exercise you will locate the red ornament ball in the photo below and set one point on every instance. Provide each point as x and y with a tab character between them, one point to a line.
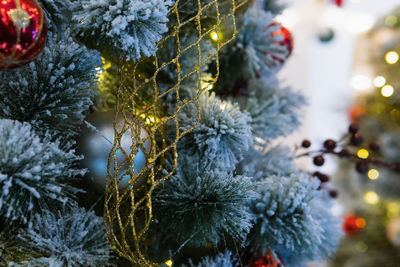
353	224
286	40
268	260
339	3
23	32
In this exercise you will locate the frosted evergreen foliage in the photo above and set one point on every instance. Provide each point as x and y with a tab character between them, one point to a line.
69	239
189	8
54	91
130	27
254	50
223	134
292	219
200	206
56	13
32	172
273	6
190	69
274	110
221	260
188	60
260	164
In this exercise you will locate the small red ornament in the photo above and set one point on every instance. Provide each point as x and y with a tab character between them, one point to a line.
353	224
23	32
270	259
287	38
339	3
356	112
280	37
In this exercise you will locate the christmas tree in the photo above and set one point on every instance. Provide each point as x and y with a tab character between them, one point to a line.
144	133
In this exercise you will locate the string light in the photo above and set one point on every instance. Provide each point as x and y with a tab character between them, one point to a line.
379	81
106	63
207	86
387	91
214	35
371	198
363	153
168	263
373	174
392	57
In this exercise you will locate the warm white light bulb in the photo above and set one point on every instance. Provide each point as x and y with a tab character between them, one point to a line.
387	91
392	57
379	81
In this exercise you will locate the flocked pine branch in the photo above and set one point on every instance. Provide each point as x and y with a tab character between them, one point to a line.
274	110
33	172
273	6
275	161
195	53
53	92
129	27
291	218
190	65
222	136
57	12
71	238
221	260
254	51
201	206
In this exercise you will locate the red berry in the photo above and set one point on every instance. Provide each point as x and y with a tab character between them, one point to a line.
375	146
353	128
362	167
356	140
322	177
306	144
330	144
344	153
333	193
319	160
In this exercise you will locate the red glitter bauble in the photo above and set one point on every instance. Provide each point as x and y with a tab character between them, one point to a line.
287	38
23	32
268	260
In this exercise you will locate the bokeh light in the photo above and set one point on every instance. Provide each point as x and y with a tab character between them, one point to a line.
363	153
373	174
371	198
392	57
379	81
387	91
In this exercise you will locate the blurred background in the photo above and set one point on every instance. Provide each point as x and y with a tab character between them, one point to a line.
346	61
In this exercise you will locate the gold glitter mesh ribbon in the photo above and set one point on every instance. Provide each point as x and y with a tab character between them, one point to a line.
128	213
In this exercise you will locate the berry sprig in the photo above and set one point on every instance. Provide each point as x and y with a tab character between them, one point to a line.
343	149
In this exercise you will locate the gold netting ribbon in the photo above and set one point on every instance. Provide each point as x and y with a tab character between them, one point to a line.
128	213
